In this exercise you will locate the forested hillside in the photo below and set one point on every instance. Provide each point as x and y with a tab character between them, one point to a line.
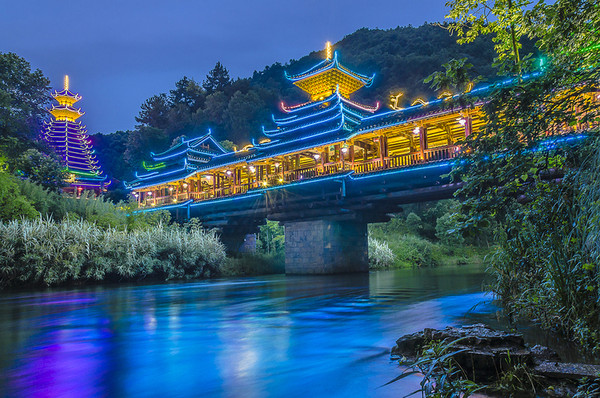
235	109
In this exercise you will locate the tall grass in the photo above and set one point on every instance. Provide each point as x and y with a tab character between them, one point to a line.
548	265
44	252
380	254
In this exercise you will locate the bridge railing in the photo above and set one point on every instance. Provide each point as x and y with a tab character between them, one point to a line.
409	159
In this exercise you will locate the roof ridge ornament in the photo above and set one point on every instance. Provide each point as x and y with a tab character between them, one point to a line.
66	82
328	51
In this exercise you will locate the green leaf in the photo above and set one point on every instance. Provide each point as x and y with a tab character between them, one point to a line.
588	266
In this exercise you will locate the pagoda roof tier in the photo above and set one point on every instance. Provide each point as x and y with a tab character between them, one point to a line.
322	79
205	145
318	112
65	112
180	160
74	126
65	97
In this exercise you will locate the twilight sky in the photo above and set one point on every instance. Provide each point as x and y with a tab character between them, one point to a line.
118	53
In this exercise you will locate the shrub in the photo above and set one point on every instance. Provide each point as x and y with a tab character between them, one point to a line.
380	254
12	203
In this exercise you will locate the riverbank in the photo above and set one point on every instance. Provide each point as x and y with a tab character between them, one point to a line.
477	358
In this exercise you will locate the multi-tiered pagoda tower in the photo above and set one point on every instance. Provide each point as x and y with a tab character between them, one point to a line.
69	139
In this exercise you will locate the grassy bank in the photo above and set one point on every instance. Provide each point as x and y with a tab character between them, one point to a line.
406	251
425	235
43	252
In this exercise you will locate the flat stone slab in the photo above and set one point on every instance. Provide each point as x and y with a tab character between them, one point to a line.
561	370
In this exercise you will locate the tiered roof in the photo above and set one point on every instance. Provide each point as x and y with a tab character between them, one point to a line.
69	139
327	76
178	162
325	119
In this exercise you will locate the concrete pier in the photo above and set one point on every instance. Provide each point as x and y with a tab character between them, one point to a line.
326	247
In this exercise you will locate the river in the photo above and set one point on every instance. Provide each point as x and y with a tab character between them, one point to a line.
268	336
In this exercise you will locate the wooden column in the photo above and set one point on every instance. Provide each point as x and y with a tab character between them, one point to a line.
468	127
214	184
336	154
382	150
423	141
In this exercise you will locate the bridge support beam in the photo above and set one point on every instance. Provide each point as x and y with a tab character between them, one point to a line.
326	247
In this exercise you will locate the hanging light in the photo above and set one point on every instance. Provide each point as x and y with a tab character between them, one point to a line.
252	169
317	156
185	185
228	172
344	149
462	121
417	130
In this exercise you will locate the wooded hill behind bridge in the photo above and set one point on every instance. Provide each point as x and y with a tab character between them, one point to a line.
235	110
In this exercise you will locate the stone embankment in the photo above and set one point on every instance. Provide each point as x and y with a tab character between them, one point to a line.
485	354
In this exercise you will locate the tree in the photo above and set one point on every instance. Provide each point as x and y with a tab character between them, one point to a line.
23	99
243	116
141	141
216	104
42	169
155	112
455	77
187	92
522	173
217	79
110	149
502	18
228	145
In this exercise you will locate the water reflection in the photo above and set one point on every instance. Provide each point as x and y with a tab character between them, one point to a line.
252	337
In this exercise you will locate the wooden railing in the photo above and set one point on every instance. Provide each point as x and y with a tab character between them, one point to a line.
374	165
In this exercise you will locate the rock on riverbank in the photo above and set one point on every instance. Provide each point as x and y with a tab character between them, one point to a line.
486	354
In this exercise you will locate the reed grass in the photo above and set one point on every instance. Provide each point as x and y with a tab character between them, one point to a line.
45	252
380	254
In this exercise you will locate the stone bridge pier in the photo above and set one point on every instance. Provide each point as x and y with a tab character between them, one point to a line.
326	246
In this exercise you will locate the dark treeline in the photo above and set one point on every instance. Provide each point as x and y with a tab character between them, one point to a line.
235	109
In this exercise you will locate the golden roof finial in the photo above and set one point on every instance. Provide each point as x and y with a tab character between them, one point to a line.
394	101
67	82
328	51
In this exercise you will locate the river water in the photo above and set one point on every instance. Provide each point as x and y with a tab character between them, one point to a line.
268	336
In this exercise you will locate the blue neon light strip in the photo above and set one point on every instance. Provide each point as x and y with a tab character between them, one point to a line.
290	77
402	170
173	206
307	181
297	119
274	133
311	104
334	64
142	177
242	196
